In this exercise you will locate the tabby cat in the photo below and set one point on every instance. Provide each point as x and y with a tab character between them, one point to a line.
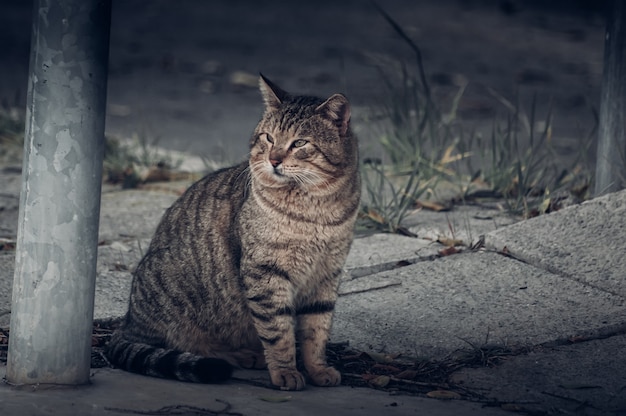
248	259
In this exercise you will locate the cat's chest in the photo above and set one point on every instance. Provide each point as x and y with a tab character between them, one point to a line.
304	249
294	240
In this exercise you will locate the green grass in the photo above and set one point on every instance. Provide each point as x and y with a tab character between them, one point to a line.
521	165
417	140
423	146
391	197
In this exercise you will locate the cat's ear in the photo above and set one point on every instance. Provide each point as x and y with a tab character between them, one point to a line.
273	96
337	109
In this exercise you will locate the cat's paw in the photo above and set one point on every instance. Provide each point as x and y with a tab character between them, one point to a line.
325	377
287	379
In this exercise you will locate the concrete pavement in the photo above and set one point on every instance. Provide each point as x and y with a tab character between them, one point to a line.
552	289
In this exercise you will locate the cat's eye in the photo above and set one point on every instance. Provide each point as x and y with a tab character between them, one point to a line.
268	138
299	143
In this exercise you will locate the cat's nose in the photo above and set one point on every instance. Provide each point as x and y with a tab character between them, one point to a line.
275	162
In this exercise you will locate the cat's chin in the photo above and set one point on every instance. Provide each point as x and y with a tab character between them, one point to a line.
275	181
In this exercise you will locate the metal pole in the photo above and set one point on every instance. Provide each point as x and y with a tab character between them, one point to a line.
54	282
611	159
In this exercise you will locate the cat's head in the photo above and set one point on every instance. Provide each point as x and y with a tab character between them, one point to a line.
302	141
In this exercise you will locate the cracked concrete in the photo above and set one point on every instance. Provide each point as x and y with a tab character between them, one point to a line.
565	299
582	242
581	378
400	296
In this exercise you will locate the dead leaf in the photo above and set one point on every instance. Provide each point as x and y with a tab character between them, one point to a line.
407	375
545	206
443	395
448	157
448	251
433	206
375	216
380	381
380	358
450	242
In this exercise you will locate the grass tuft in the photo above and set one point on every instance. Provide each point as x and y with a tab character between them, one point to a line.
423	146
133	162
390	197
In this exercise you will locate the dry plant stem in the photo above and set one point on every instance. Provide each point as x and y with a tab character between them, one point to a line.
412	45
518	163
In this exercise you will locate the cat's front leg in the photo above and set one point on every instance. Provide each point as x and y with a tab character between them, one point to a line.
314	319
313	329
270	302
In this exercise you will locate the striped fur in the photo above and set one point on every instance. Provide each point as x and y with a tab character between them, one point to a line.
248	260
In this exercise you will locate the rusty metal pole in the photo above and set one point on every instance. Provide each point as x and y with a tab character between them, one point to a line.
611	158
54	282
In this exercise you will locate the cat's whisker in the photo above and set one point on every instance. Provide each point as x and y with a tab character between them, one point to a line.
300	179
313	178
257	168
248	176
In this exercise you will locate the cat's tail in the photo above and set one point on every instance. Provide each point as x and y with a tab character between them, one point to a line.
164	363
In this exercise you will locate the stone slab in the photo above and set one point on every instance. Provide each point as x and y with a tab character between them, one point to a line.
586	378
585	242
470	299
463	222
379	252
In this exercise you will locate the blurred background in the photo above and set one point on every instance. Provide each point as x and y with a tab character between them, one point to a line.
488	95
184	72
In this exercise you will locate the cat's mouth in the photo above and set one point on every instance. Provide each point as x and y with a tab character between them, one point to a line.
279	170
276	176
280	176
